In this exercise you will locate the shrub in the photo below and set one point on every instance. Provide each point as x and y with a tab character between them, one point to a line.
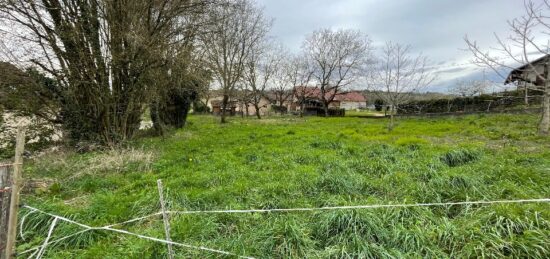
479	103
200	107
378	103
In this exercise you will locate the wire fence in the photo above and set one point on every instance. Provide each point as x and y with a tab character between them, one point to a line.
39	251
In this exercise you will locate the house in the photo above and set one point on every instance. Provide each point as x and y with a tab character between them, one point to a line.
349	100
248	109
531	78
352	100
236	106
531	74
216	107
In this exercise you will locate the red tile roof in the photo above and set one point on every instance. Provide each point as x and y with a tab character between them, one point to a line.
351	96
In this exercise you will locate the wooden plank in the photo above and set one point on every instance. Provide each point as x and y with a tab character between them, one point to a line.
165	219
16	186
5	185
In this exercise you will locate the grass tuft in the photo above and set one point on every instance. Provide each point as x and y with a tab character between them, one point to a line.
460	157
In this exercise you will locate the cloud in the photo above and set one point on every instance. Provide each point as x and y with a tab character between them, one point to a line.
434	28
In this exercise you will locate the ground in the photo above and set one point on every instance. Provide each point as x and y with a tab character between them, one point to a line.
364	113
311	162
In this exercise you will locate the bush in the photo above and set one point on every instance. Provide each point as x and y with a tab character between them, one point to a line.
279	109
200	107
378	104
465	104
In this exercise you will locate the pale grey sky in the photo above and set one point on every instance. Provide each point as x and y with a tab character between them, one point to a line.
434	27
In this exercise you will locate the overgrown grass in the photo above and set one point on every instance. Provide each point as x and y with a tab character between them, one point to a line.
460	157
291	162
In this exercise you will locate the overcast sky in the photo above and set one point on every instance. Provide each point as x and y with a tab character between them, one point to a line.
433	27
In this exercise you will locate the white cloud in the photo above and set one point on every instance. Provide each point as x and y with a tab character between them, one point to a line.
434	27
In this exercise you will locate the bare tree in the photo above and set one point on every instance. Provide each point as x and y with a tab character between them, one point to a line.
284	81
100	53
528	37
338	58
280	91
243	96
299	73
237	27
469	88
261	67
399	75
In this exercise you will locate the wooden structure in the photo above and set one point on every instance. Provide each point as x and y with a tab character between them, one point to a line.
532	73
230	110
534	76
5	197
10	186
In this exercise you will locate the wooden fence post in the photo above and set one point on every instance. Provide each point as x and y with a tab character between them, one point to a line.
165	219
16	186
5	191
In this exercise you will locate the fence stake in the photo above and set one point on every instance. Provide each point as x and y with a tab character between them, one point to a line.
16	186
5	196
165	219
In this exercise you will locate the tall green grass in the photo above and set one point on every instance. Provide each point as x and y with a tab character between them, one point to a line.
310	162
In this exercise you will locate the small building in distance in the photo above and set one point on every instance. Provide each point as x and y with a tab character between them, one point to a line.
351	100
347	100
216	107
248	109
531	79
236	106
531	74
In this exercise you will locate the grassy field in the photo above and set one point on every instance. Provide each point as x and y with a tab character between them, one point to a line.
311	162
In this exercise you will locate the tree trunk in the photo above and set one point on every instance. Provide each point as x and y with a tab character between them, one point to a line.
489	105
544	124
224	107
242	110
391	125
155	118
302	106
257	107
325	108
526	96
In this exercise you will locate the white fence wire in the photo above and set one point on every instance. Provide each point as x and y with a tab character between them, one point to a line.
38	252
